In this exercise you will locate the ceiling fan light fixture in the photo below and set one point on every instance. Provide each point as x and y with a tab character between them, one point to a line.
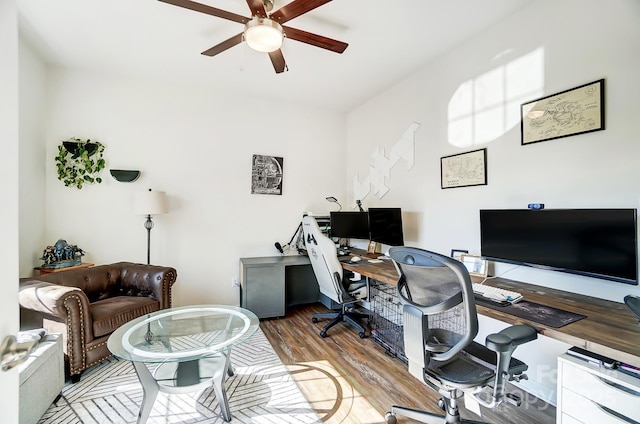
263	34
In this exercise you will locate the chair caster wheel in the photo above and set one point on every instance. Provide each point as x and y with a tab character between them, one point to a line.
314	320
362	334
323	334
390	418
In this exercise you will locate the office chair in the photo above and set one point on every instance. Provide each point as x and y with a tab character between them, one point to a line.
440	323
633	303
332	280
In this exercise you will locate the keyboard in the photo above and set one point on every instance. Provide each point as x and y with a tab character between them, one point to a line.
497	295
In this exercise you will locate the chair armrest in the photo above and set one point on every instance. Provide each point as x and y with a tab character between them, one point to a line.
504	343
510	338
151	279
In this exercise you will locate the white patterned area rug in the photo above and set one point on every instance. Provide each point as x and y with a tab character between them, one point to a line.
261	391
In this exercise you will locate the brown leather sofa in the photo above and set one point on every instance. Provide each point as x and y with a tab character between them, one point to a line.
87	305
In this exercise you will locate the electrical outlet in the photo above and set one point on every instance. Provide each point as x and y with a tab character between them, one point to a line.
235	282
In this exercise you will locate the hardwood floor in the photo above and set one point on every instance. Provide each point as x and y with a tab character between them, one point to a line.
351	380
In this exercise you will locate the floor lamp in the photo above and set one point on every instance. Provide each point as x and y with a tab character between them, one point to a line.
150	203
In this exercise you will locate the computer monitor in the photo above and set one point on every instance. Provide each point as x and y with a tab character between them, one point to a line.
350	225
599	243
385	226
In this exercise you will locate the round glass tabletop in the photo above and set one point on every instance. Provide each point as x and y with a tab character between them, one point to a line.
183	334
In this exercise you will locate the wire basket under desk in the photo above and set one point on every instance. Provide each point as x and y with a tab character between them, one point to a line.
386	318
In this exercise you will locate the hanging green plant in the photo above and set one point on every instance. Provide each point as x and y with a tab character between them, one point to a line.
79	162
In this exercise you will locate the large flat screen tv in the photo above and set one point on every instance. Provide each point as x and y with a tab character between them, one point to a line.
349	225
599	243
385	226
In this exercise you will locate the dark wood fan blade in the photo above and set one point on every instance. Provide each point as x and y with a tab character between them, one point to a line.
227	44
203	8
295	9
257	8
277	58
315	40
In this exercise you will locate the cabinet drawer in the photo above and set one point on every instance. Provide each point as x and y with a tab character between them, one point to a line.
587	411
263	291
568	419
598	388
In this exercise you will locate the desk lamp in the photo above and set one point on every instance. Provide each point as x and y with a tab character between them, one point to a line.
334	200
150	203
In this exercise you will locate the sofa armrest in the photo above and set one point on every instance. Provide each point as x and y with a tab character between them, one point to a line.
67	305
50	299
151	279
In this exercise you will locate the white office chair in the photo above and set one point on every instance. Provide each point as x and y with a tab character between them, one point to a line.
331	279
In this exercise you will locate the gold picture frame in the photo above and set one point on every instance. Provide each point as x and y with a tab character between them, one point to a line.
476	265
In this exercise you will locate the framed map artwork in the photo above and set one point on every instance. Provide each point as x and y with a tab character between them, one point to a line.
266	174
464	169
575	111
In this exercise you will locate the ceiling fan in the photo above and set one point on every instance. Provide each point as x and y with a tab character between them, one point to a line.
264	30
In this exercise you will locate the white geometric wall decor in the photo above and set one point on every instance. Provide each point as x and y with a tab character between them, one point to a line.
380	167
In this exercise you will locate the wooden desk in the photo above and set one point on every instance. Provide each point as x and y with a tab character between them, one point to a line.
384	271
610	328
44	270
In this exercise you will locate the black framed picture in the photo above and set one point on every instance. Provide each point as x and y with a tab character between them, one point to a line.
464	169
575	111
457	254
266	174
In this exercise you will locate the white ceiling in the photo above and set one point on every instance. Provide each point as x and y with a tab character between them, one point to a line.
154	40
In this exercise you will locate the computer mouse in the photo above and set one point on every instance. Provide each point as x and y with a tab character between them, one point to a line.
355	258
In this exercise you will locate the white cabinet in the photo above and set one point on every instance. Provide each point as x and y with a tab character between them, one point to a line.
588	393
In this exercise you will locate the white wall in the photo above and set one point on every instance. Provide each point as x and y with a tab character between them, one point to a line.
9	195
32	76
582	41
197	147
599	169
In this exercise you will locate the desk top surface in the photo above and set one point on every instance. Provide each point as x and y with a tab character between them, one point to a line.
610	328
384	271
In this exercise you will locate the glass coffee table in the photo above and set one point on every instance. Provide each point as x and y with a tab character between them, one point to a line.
190	347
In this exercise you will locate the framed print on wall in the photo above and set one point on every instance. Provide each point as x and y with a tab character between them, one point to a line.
464	169
576	111
266	174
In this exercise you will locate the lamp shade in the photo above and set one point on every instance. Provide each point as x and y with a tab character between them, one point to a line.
150	203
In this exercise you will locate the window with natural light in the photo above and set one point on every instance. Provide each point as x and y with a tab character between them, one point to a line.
484	108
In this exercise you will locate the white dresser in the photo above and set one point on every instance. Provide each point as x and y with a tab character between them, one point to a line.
588	393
